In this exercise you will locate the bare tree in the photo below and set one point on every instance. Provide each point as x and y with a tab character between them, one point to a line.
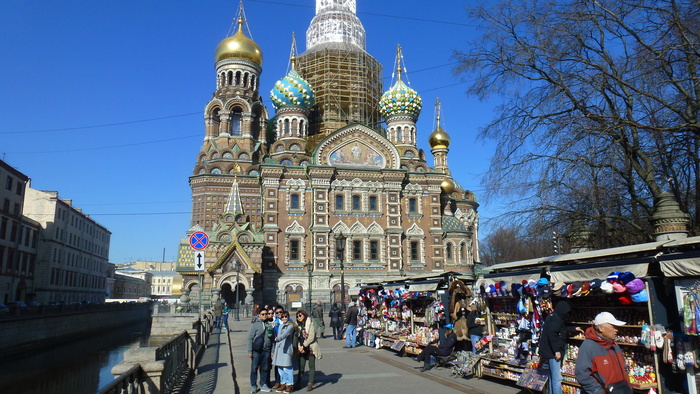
600	112
513	243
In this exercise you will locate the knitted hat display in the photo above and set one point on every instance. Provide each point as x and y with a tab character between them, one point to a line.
640	296
635	286
625	277
607	287
619	288
585	288
557	288
595	285
613	276
624	298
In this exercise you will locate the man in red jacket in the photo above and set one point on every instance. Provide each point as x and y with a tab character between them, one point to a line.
600	361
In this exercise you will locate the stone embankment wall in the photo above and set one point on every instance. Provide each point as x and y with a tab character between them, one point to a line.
31	332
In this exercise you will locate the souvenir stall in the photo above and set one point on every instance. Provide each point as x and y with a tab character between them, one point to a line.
405	315
517	306
684	270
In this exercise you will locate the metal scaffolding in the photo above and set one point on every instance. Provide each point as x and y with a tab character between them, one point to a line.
347	84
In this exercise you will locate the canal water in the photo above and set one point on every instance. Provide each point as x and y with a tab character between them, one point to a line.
80	367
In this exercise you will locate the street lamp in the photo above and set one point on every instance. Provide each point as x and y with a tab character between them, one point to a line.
238	271
310	268
340	249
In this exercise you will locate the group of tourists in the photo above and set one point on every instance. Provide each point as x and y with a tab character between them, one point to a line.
221	312
280	340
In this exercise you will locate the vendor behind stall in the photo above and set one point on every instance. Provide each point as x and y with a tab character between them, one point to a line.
445	348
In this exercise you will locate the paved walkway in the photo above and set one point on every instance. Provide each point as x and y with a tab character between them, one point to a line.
225	369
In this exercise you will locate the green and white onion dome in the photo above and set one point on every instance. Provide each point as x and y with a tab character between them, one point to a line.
400	99
292	90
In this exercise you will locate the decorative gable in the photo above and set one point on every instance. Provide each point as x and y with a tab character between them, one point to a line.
357	146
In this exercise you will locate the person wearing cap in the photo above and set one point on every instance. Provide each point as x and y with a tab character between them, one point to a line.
600	366
445	348
351	324
553	343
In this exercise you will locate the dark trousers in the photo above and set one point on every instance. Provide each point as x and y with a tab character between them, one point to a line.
260	360
303	358
430	350
337	332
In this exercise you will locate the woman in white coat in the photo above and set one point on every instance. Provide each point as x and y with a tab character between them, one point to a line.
282	354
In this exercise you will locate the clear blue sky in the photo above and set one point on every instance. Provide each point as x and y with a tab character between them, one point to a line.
103	101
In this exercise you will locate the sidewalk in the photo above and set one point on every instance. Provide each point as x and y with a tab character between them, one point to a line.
225	369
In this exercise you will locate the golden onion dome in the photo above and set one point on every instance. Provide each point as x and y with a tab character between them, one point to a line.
238	46
447	186
439	138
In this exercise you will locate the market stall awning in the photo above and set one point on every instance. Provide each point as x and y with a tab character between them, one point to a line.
353	291
589	271
428	285
509	277
680	267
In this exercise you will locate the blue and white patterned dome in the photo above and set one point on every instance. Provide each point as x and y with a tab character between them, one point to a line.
292	90
400	99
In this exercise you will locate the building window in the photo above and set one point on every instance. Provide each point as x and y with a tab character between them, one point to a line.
374	250
448	251
294	201
414	250
461	252
235	123
356	203
412	205
339	202
372	203
294	250
357	250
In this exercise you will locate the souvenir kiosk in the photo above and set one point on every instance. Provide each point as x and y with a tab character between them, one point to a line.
518	301
405	314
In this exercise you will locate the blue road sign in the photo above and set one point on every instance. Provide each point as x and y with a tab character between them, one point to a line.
199	240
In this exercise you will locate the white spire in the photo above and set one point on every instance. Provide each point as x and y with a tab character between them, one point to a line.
335	22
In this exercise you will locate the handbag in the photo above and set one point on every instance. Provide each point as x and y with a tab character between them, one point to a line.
258	343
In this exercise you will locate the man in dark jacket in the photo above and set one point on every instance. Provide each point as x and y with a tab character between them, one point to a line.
261	358
445	348
600	361
553	343
351	322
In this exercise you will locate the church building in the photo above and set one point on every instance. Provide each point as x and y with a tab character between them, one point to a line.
329	191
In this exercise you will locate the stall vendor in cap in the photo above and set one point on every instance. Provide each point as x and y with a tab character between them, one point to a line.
600	366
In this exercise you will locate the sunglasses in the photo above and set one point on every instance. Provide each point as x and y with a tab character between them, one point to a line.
278	312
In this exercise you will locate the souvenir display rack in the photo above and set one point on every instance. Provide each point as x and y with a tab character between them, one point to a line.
401	320
516	313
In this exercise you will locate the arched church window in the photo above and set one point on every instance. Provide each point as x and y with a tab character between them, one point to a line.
286	127
238	78
236	122
448	251
245	79
399	136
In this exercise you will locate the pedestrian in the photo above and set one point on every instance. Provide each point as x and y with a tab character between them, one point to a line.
308	348
218	312
282	354
351	326
317	313
224	317
276	322
336	321
553	343
600	366
444	348
260	340
476	330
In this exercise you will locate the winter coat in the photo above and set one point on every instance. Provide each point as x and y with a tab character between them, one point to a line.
307	338
218	309
600	362
351	317
474	327
284	349
336	317
259	327
553	337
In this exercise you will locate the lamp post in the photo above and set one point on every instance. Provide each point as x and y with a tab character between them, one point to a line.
340	249
238	271
310	268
